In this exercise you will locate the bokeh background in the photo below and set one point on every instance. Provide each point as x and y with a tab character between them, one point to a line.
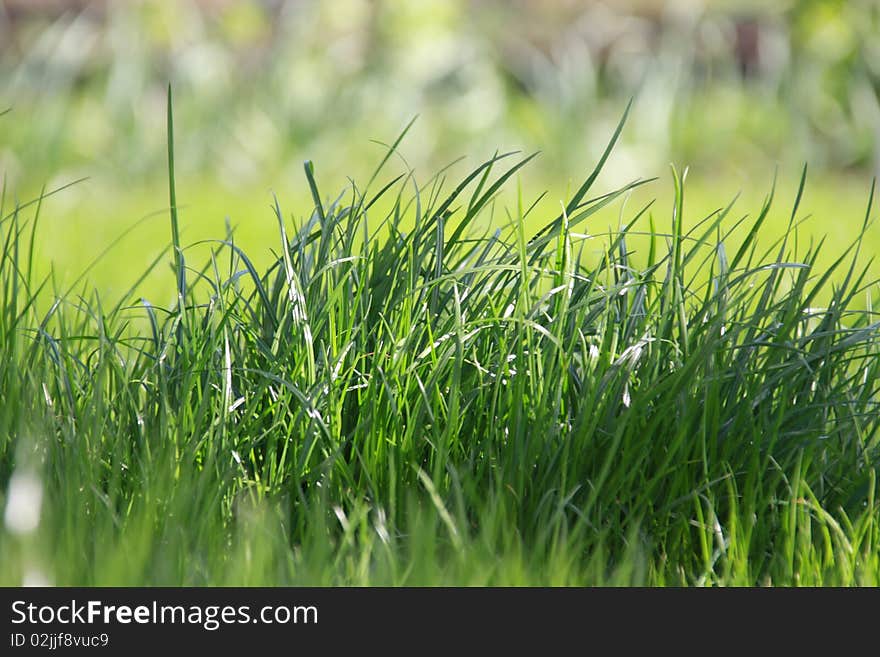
733	90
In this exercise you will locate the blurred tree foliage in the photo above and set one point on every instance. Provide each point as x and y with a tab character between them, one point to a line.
261	83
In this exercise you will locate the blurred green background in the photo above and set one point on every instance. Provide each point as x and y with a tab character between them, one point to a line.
733	90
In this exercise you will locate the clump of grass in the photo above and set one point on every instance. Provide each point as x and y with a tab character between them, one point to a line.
404	397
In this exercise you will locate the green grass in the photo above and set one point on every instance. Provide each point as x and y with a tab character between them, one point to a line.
406	396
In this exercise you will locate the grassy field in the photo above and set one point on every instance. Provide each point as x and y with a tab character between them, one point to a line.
441	382
111	232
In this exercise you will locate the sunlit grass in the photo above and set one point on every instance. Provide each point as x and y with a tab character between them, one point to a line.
432	382
92	215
